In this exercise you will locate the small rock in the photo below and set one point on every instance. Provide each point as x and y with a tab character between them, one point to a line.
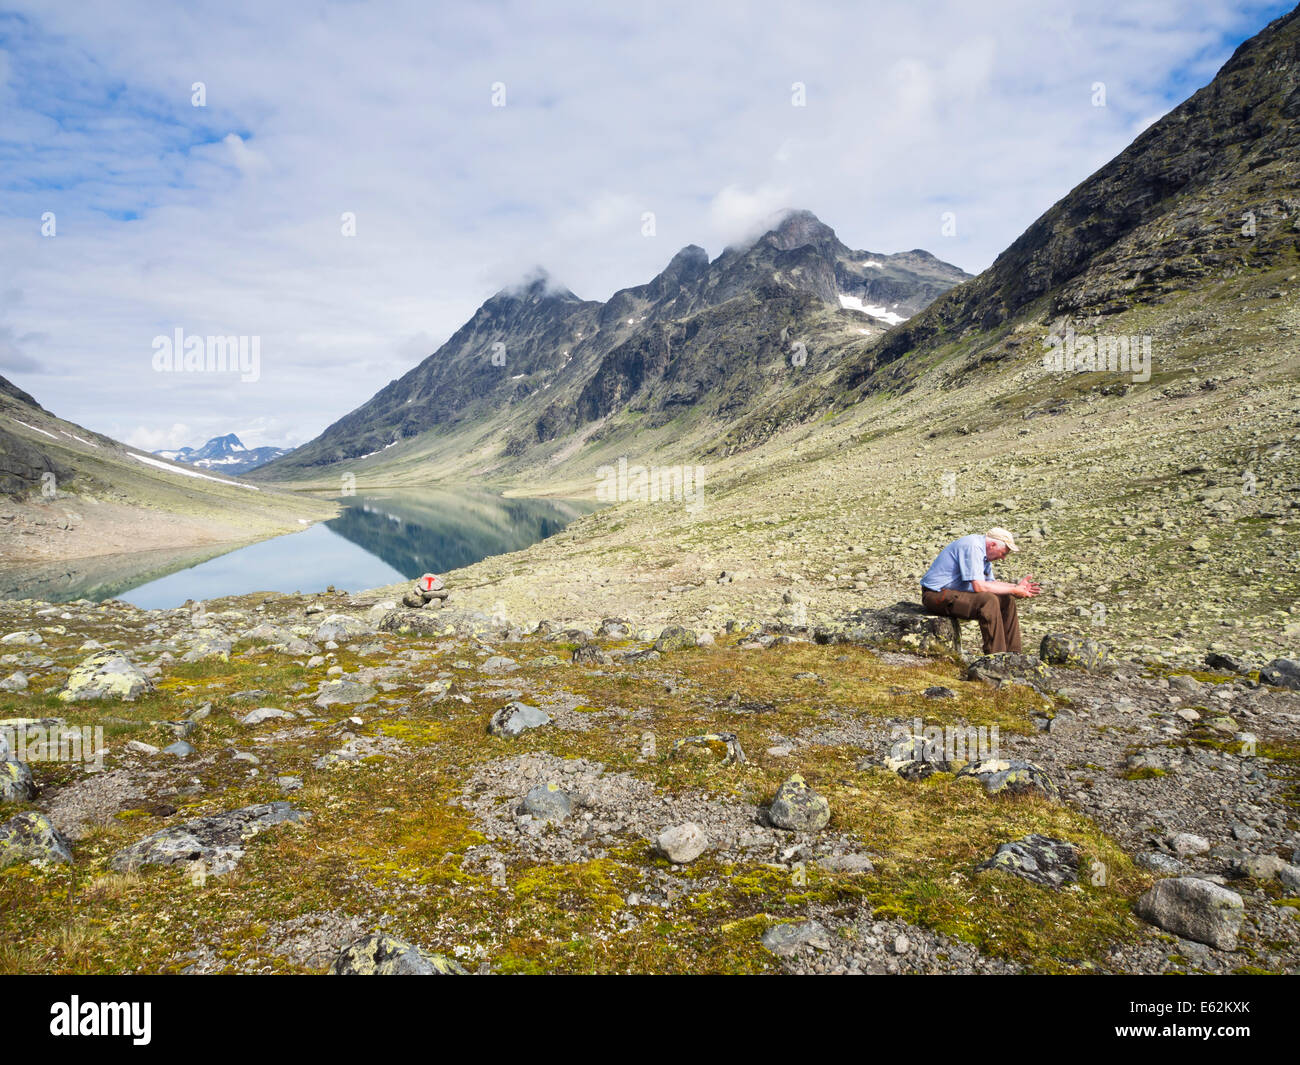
548	802
682	843
381	955
797	808
516	718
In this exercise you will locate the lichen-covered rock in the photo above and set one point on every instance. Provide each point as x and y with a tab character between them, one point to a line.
343	692
996	669
1038	859
615	628
381	955
16	784
32	837
1057	649
797	808
208	647
23	638
278	639
674	638
588	654
682	843
1281	673
342	627
721	747
787	938
15	682
498	664
547	802
1001	777
105	675
1194	909
217	841
516	718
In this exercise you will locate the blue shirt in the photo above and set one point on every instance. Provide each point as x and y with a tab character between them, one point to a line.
961	562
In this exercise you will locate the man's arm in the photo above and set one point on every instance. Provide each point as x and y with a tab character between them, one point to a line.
1025	588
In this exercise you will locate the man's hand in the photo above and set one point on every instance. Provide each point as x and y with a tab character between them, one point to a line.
1026	588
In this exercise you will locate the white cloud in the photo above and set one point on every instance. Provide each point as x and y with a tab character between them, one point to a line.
147	438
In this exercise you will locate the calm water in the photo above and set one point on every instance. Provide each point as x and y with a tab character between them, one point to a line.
380	538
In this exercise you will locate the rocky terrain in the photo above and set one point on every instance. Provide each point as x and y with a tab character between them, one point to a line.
346	783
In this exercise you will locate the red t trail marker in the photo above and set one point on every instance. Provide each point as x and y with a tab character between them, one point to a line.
428	580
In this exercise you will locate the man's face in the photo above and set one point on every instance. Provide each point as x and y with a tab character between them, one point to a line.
995	549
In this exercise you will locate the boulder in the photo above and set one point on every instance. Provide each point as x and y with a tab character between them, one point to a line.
516	718
1281	673
32	837
265	713
498	664
1194	909
1038	859
343	692
786	939
217	841
1057	649
547	802
1226	663
615	628
674	638
381	955
996	669
341	628
588	654
16	784
682	843
721	747
903	623
105	675
797	808
1002	777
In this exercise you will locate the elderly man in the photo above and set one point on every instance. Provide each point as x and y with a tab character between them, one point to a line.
960	584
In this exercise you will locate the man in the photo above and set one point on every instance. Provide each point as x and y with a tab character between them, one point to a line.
960	584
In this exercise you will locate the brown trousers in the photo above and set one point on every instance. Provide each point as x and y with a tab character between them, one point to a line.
999	623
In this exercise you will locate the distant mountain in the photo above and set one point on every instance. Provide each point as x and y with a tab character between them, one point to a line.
536	364
225	453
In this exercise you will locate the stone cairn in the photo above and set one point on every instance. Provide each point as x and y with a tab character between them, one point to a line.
430	591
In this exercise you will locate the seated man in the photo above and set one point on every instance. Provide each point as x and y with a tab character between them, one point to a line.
960	584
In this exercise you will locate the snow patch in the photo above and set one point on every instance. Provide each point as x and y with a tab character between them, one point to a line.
34	429
159	464
875	263
853	303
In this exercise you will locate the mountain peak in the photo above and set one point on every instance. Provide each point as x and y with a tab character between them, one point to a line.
535	285
798	227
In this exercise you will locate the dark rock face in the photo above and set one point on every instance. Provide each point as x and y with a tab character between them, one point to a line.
22	464
8	388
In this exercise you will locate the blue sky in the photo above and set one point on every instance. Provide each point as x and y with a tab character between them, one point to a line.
226	218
